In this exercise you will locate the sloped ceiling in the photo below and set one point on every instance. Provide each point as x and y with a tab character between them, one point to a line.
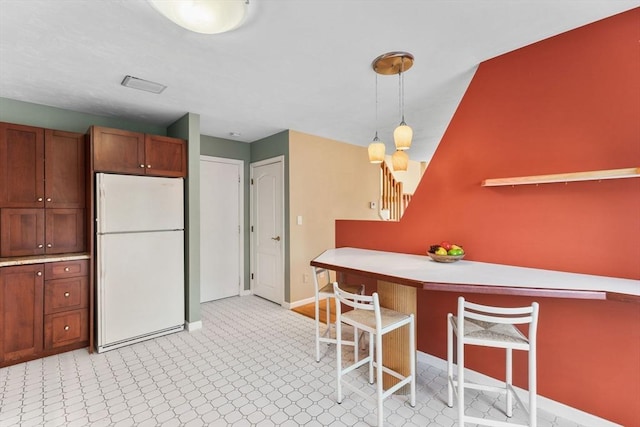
302	65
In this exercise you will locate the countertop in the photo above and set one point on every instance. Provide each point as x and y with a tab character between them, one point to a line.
40	259
478	277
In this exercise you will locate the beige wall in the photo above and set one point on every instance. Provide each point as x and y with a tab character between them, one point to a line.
328	180
409	178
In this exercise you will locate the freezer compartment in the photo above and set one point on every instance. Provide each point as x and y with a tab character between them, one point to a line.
129	203
140	286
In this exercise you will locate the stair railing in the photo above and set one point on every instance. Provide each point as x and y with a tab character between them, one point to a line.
393	199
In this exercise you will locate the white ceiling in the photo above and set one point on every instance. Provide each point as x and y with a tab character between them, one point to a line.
296	64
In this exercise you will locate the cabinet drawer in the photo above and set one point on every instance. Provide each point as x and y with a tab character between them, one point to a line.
65	294
65	328
63	269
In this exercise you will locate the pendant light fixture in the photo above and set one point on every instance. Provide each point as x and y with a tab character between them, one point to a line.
376	148
389	64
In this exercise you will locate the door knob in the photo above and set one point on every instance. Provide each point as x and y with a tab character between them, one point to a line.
277	238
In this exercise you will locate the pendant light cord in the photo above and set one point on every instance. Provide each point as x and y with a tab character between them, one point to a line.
401	89
376	137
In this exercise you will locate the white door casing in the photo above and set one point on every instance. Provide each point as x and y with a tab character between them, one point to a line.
267	222
221	233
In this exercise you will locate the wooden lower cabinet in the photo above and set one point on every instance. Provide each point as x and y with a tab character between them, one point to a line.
21	312
65	328
44	309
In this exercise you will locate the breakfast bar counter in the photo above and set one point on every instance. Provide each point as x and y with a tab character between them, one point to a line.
475	277
399	276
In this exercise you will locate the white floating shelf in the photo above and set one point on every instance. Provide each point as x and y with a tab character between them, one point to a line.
564	177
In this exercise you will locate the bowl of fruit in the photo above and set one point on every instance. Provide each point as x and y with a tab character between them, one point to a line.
446	252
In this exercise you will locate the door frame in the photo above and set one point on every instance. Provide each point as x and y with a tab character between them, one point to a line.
277	159
241	213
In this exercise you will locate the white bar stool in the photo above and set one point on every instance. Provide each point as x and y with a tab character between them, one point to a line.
490	326
368	316
324	290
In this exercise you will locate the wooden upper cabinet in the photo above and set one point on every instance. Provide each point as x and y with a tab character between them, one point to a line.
133	153
21	312
65	172
22	232
41	168
117	151
64	231
32	231
21	166
165	156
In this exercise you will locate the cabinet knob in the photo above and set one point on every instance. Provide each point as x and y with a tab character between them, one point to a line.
39	199
141	166
39	273
66	327
49	245
148	166
67	269
40	246
48	199
66	294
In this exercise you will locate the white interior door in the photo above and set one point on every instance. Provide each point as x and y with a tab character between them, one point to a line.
221	213
267	222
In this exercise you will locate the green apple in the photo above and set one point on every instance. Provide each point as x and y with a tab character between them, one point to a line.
455	251
457	247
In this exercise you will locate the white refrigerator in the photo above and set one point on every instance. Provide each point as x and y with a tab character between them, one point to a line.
139	258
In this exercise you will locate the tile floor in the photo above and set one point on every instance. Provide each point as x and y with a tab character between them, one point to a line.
251	364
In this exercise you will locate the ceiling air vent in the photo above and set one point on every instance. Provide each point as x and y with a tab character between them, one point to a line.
141	84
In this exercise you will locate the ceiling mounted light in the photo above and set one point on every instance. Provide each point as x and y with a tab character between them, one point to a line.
141	84
204	16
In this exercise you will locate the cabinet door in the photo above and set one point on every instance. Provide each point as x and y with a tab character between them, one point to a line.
21	232
21	312
65	231
65	173
117	150
21	166
165	156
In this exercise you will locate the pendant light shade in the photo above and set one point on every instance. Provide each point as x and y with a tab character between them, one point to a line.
376	151
204	16
400	161
402	136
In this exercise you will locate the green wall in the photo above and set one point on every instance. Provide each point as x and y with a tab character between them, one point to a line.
188	128
25	113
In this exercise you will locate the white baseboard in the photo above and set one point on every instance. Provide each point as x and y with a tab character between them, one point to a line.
556	408
295	304
245	292
193	326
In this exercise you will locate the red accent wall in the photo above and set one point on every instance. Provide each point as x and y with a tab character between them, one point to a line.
566	104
